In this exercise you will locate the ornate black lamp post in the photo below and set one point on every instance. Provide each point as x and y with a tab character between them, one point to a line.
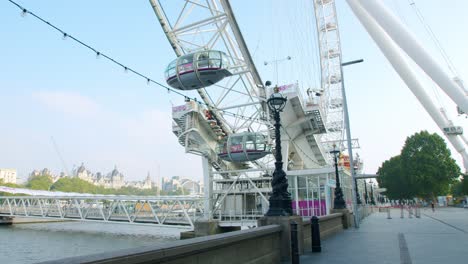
339	202
366	197
358	197
280	199
372	201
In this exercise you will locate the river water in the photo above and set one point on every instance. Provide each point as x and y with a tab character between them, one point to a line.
31	243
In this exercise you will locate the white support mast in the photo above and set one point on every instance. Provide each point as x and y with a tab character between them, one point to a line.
408	42
400	63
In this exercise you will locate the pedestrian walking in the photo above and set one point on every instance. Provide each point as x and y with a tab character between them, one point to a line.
432	205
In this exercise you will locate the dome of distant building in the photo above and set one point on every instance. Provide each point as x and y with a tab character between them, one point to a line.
81	168
115	172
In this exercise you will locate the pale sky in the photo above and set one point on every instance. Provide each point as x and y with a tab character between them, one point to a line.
102	116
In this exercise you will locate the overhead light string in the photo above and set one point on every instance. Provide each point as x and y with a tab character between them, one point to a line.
99	54
126	69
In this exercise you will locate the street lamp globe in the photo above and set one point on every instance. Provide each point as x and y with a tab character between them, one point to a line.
277	101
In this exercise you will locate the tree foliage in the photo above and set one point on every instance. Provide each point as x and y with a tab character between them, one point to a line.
40	182
12	185
75	184
460	188
464	184
391	176
424	168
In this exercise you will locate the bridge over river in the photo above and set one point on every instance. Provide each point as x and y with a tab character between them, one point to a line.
167	211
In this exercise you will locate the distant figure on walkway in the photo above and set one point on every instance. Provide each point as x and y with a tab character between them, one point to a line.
432	205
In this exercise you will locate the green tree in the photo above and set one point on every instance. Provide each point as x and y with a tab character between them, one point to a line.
461	187
465	184
426	161
40	182
392	177
457	188
74	184
12	185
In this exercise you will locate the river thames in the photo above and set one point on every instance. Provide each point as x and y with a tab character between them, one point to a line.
31	243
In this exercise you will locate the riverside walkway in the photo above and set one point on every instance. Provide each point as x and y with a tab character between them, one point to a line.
437	237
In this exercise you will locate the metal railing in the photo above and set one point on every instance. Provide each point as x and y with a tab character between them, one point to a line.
179	212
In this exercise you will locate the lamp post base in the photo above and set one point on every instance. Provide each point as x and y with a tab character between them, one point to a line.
339	202
280	207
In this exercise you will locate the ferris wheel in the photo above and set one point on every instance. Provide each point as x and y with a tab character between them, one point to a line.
331	73
213	60
230	125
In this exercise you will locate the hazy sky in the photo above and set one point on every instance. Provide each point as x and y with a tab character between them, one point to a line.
102	116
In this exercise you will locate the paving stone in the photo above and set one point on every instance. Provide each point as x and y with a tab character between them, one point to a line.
436	237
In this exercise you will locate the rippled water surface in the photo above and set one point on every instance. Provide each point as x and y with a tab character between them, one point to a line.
30	243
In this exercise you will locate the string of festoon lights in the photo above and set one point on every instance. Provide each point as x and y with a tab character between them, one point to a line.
126	68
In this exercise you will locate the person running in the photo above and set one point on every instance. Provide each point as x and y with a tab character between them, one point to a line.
432	205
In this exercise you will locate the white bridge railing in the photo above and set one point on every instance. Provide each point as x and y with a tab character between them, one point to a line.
168	211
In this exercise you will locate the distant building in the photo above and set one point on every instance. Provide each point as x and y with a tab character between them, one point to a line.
84	174
171	184
46	172
190	187
116	179
58	177
176	182
113	179
35	173
146	184
8	175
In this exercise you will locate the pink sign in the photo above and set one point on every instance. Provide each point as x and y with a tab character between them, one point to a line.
179	108
236	148
185	67
286	87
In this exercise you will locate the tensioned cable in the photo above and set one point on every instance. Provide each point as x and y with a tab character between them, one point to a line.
436	41
434	38
398	11
125	67
97	52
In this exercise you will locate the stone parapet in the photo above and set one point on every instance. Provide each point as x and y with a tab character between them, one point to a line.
285	223
258	245
346	217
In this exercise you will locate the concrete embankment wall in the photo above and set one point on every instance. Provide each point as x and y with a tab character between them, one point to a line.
263	244
258	245
6	220
13	220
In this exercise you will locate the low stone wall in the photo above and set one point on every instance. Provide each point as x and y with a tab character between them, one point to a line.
285	223
329	225
365	211
383	209
258	245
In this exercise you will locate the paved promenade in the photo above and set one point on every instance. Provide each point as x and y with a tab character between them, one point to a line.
439	237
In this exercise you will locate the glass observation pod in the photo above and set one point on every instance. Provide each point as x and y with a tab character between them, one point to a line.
197	70
242	147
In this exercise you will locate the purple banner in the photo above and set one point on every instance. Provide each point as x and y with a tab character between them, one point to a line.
310	208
